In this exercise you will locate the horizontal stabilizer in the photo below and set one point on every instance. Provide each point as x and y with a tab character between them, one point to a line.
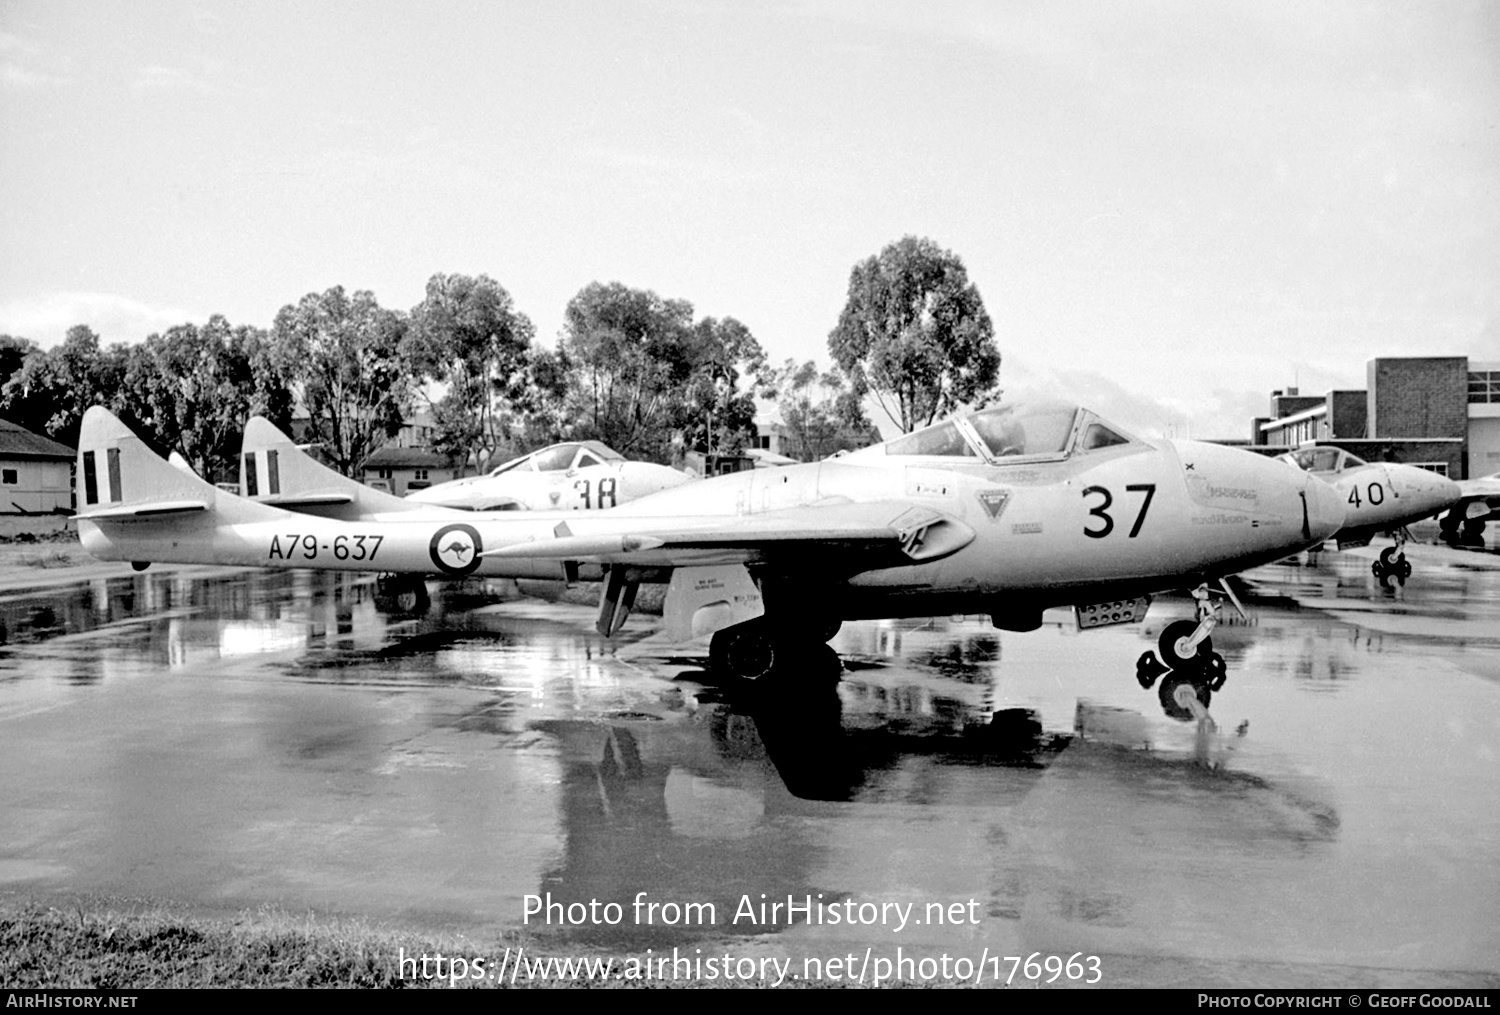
146	510
294	501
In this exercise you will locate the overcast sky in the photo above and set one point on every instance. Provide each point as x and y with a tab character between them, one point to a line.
1169	208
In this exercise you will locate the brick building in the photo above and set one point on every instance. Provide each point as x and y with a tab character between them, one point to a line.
1440	412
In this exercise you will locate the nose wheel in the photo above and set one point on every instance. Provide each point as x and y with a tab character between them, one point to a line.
1392	565
1179	693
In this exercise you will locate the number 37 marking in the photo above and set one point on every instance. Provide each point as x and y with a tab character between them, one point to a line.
1101	510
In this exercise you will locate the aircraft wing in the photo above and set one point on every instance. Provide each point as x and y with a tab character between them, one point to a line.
866	535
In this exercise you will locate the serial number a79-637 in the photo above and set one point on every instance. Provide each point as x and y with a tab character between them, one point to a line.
299	547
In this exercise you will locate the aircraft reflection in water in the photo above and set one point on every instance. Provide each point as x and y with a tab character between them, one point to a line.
1379	497
1007	511
643	798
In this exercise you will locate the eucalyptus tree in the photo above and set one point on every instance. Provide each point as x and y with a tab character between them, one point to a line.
468	336
914	334
353	370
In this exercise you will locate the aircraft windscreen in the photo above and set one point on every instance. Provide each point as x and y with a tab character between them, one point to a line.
941	439
1028	430
1323	460
604	451
556	458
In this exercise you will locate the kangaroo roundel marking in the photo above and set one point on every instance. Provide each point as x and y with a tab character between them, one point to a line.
455	549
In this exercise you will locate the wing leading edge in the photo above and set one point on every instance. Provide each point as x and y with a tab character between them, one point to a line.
861	531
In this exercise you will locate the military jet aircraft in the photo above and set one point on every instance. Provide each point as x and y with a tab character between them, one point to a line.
1478	501
1379	497
1009	511
275	470
576	476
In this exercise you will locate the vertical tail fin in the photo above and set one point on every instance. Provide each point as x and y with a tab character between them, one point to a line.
275	471
122	479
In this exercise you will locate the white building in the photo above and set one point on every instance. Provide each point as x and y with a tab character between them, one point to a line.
36	472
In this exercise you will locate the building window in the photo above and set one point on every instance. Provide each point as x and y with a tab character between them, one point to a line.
1441	468
1484	386
8	477
419	474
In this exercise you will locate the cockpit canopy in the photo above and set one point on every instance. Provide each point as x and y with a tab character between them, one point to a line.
1004	433
560	458
1324	460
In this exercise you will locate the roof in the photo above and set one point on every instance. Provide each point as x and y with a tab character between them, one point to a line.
18	442
407	458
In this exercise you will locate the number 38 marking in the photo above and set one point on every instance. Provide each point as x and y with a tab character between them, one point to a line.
605	489
1101	510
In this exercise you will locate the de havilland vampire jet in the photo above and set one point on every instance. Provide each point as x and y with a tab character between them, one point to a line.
1379	497
577	476
1009	510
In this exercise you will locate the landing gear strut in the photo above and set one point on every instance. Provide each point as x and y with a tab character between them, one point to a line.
1392	562
1189	666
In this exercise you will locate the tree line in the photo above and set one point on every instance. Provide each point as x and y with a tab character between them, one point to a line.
637	371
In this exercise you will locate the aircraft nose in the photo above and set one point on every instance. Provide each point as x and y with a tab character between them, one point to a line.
1423	489
1325	508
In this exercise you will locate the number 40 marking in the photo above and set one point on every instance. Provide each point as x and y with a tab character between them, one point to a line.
1101	510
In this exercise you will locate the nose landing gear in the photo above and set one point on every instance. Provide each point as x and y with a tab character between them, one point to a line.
1392	563
1190	669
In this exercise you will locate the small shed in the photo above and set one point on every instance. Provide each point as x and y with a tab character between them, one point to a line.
401	470
36	473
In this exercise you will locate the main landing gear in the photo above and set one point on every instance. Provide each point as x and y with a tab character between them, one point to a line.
1460	530
1392	562
402	594
1189	668
753	650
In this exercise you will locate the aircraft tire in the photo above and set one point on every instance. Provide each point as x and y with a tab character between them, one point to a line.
1388	558
409	598
1167	644
1166	693
743	652
1215	671
1147	669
